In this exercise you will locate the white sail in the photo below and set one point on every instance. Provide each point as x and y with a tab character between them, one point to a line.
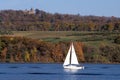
67	60
74	59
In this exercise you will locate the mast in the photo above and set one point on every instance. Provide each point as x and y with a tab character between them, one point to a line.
70	53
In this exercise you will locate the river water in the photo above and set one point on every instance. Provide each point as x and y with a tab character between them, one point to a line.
56	72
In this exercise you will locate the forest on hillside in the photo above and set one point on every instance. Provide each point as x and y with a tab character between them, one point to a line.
21	20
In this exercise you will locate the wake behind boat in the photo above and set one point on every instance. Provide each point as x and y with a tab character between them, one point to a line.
71	61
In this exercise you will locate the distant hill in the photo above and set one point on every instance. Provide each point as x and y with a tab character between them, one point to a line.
38	20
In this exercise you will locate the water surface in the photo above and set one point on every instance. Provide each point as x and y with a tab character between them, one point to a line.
56	72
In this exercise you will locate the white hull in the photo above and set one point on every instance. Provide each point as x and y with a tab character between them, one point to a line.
73	67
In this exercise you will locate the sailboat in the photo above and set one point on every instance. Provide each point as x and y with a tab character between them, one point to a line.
71	61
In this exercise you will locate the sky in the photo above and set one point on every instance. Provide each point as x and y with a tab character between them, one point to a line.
83	7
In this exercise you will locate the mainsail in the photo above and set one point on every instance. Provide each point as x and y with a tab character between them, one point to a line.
74	59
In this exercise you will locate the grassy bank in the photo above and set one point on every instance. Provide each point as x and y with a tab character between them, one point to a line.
56	36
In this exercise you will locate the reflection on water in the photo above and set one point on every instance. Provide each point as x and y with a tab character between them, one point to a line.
71	70
71	77
70	74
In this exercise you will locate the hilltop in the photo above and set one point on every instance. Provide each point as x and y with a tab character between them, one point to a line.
38	20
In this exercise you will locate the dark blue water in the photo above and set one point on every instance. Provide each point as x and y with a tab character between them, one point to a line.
56	72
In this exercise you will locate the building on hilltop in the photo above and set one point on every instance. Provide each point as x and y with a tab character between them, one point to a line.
31	11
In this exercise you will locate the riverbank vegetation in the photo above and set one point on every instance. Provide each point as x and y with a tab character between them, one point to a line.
52	46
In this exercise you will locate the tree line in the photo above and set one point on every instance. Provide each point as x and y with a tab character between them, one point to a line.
19	20
21	49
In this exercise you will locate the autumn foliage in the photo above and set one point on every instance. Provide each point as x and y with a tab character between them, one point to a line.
21	49
19	20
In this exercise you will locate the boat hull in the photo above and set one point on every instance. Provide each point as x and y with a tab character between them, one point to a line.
73	67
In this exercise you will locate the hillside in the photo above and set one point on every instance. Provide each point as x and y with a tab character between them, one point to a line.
21	20
40	36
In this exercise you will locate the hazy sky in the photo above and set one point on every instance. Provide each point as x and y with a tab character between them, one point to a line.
82	7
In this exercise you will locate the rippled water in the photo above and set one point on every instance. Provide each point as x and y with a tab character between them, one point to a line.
56	72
